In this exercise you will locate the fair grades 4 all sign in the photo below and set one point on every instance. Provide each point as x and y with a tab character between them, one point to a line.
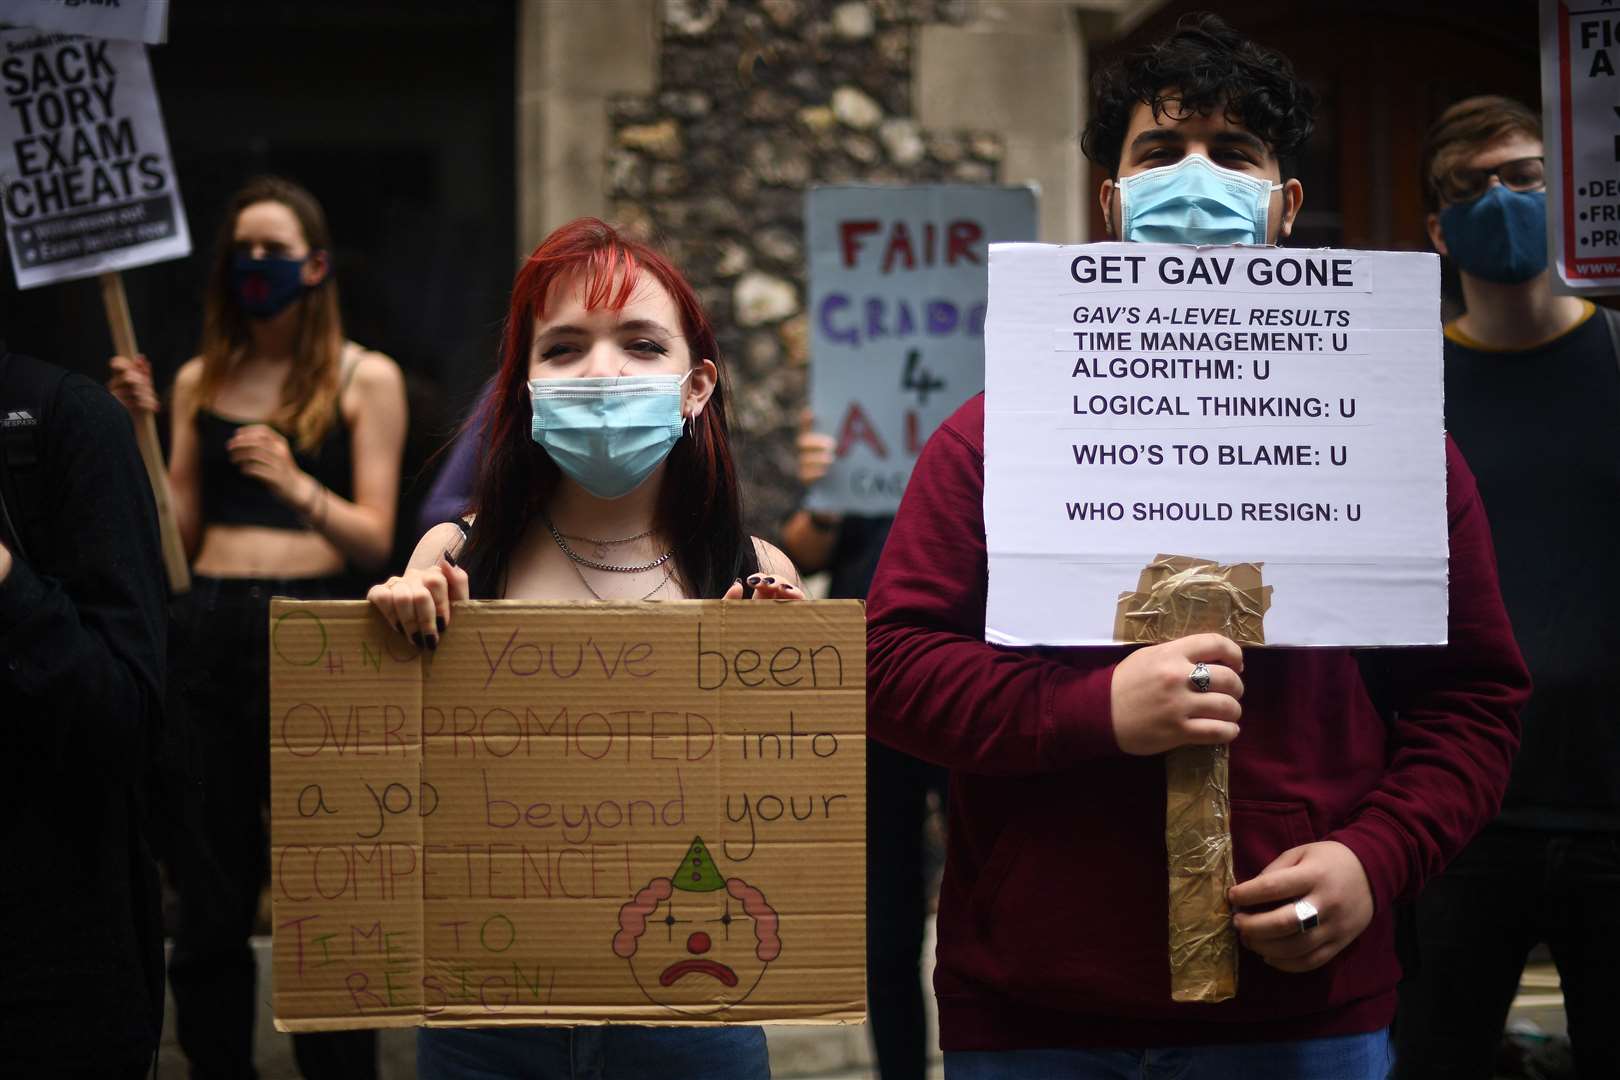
897	297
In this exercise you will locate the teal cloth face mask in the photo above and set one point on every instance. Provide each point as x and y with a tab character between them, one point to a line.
1194	201
608	435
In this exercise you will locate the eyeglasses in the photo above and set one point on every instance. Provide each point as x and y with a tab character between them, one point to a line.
1466	185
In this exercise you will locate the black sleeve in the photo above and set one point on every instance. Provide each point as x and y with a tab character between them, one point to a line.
82	624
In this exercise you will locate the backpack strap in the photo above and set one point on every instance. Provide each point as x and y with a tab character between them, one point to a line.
27	389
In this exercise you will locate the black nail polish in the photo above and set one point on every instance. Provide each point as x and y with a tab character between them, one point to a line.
770	581
753	579
418	641
433	644
440	621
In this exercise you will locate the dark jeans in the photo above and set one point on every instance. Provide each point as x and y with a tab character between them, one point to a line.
897	787
219	690
593	1053
1339	1057
1475	925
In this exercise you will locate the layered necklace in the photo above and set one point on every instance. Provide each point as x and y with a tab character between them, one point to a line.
576	560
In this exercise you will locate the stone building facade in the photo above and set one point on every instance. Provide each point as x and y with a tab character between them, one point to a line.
702	122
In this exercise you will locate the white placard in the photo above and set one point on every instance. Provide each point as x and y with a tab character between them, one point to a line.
88	185
1580	101
129	20
1264	405
897	297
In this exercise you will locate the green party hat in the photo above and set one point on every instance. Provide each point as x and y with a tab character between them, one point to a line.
697	872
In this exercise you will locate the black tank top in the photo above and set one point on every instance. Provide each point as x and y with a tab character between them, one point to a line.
231	497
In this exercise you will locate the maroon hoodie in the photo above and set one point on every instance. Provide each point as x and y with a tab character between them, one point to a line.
1053	912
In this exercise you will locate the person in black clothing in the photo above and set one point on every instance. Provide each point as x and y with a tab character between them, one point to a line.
81	679
284	466
898	787
1532	386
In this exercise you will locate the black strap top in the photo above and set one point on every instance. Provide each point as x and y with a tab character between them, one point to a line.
231	497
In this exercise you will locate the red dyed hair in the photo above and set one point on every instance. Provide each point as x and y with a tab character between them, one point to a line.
699	508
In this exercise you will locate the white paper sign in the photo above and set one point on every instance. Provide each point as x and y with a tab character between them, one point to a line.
88	185
897	296
1580	95
1264	405
130	20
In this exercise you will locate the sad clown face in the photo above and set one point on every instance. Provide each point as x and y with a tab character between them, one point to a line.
696	943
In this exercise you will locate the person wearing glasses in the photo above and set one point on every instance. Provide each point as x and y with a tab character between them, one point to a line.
1532	399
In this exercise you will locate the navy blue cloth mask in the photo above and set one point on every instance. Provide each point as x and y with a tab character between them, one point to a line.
265	287
1500	236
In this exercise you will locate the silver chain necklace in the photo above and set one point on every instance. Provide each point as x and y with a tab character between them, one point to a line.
611	568
607	543
648	596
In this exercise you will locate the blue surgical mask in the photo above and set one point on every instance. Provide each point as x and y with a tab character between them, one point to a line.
1500	236
1194	201
608	435
265	287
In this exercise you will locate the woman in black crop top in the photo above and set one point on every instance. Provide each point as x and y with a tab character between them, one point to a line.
284	464
608	475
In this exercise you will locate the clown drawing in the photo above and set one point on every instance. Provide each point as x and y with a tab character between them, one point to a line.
697	944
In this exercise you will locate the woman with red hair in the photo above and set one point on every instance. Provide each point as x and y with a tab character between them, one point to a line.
608	476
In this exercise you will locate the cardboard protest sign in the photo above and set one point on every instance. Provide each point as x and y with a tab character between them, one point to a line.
897	296
1580	48
88	183
129	20
569	814
1261	424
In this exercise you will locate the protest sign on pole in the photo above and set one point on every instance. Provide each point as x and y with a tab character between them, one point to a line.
1580	101
569	813
897	296
1273	415
126	20
89	185
1243	441
89	189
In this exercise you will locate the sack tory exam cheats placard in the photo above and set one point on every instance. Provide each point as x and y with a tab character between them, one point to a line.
644	813
88	183
1272	412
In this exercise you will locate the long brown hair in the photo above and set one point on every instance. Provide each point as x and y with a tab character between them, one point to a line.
699	509
309	398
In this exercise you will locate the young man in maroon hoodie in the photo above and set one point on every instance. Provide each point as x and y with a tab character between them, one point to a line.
1053	915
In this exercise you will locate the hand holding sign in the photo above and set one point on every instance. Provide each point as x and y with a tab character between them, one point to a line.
131	384
1155	706
816	450
417	603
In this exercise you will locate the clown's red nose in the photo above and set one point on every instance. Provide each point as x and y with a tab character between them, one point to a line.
698	943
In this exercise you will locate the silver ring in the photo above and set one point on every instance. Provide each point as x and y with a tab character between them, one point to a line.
1200	677
1306	913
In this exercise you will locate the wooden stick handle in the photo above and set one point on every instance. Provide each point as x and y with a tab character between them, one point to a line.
146	437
